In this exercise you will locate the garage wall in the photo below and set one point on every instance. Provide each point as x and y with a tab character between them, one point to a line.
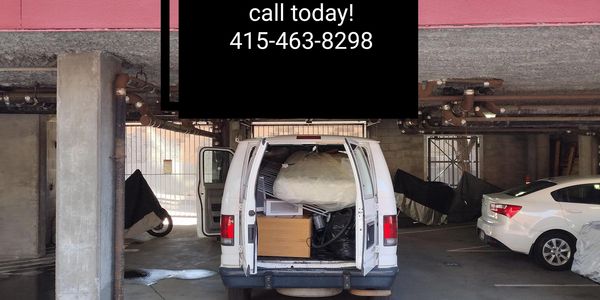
505	160
504	157
19	187
401	151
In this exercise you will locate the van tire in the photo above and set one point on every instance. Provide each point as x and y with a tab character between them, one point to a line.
238	294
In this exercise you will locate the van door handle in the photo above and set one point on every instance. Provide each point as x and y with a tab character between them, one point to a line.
574	211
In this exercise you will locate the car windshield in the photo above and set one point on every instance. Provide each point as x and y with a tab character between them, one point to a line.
529	188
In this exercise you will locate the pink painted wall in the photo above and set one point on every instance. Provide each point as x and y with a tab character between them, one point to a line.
498	13
84	14
145	14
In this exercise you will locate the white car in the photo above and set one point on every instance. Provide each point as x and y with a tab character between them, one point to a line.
542	218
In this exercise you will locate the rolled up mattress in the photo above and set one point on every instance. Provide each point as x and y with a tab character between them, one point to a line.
321	179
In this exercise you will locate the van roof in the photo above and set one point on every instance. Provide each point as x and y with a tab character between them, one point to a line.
337	138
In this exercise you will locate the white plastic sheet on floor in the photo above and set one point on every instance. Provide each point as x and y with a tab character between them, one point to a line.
154	275
587	257
321	179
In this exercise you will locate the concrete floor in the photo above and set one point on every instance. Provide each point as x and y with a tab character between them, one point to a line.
436	262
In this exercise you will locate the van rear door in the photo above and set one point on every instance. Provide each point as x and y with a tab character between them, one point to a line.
214	165
366	209
248	229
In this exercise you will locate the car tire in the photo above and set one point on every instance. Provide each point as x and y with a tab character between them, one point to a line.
554	251
238	294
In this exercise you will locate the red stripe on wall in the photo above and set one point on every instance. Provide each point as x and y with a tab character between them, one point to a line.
439	13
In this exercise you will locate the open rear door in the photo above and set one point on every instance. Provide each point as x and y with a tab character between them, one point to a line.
214	165
366	210
248	230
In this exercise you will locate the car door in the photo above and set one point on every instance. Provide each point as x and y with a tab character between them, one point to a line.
580	204
366	208
248	230
214	165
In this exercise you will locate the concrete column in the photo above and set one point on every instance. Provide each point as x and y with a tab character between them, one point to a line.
542	142
85	178
21	222
588	155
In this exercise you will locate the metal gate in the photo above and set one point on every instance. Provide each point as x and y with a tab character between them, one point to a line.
449	156
344	128
169	162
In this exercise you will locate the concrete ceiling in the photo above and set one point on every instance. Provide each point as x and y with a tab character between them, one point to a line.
528	59
561	58
138	49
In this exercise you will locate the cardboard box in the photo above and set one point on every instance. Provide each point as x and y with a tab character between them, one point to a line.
284	236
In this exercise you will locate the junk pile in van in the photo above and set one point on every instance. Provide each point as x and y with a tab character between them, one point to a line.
322	179
305	200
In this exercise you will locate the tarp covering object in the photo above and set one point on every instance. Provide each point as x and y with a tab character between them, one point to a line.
435	195
322	179
435	203
587	257
419	212
466	205
140	201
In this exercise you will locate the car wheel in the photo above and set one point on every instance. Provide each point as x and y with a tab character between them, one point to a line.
162	229
555	251
238	294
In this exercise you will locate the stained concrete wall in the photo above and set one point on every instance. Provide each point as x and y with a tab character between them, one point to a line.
503	163
21	235
401	151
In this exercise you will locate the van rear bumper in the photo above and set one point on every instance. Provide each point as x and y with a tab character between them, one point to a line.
379	279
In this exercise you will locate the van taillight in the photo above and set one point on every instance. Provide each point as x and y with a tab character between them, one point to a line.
227	230
505	209
390	230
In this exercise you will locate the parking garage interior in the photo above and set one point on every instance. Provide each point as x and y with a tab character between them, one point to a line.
80	111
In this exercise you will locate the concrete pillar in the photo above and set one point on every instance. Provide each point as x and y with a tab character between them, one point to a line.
85	178
538	156
542	148
588	155
22	222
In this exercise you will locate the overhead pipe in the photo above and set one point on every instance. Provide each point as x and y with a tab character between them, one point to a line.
492	107
468	100
514	98
552	109
429	86
449	119
149	120
537	119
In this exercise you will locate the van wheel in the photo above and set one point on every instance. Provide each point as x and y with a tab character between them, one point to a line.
238	294
554	251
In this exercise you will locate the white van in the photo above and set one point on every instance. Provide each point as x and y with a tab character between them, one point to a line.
230	188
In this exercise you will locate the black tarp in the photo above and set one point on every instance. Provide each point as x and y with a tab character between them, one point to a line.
140	200
466	205
433	194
